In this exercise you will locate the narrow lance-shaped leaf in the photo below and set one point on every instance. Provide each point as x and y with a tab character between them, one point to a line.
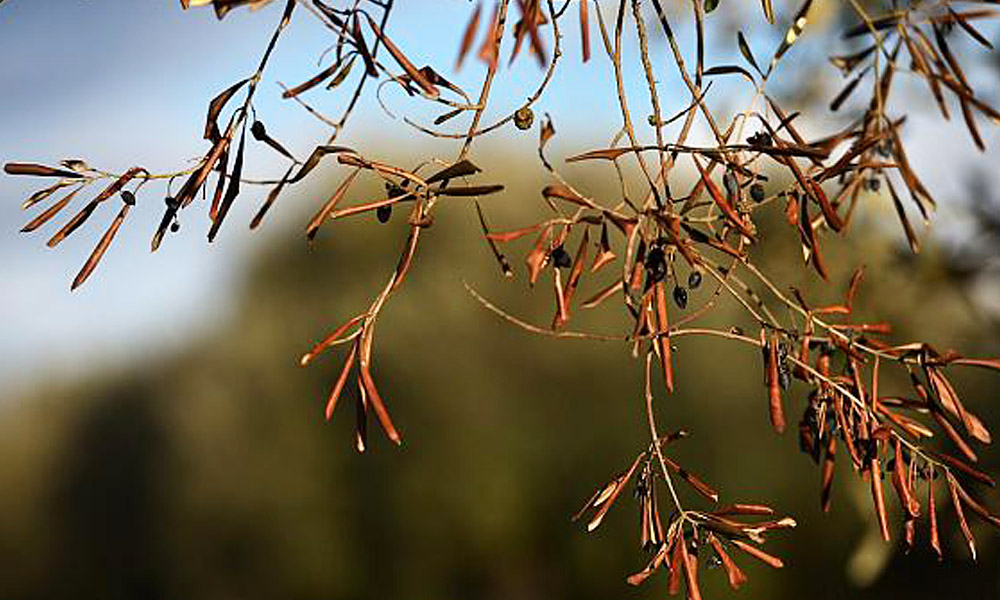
879	498
330	205
690	564
768	10
42	194
232	191
845	93
312	82
793	33
969	29
101	248
733	572
271	198
759	554
463	168
380	410
50	212
361	417
469	36
36	170
775	404
956	503
359	43
314	159
429	90
911	236
343	73
721	202
747	52
345	372
662	338
935	541
215	108
584	31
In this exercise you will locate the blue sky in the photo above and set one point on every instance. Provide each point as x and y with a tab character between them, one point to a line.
122	83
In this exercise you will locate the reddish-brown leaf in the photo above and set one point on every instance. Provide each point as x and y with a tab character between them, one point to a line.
662	339
345	372
376	400
772	561
733	572
36	170
101	248
876	482
956	503
469	36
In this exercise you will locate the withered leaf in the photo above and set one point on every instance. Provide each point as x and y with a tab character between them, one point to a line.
470	191
232	191
747	53
469	36
101	248
429	90
463	168
50	212
793	33
330	205
36	170
271	198
312	81
215	108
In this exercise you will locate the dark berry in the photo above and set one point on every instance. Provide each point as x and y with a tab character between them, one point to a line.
560	258
681	297
761	138
656	264
128	197
654	256
757	192
383	213
694	280
258	131
175	227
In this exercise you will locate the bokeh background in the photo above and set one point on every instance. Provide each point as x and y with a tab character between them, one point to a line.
159	440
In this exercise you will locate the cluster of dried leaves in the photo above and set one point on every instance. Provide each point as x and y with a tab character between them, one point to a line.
663	246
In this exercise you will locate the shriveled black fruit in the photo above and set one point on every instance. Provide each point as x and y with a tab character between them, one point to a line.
656	264
761	138
258	131
175	227
383	213
560	258
128	197
757	192
694	280
681	297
